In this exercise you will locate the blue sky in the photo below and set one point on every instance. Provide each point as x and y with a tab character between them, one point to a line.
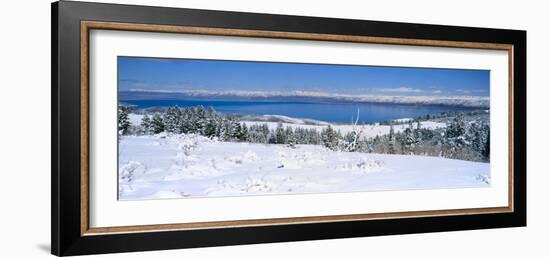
218	75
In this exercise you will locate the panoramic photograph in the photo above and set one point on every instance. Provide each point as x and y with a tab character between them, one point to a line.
218	128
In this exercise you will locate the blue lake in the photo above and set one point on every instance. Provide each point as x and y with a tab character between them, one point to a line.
324	111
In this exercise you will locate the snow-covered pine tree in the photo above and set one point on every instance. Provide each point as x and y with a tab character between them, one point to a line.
457	127
455	135
236	132
330	138
487	149
408	140
300	135
265	133
391	140
290	137
418	131
369	146
243	136
146	125
375	142
210	128
272	139
184	122
225	134
157	124
210	112
193	120
256	135
280	136
220	127
478	136
200	119
474	136
210	122
171	119
314	136
123	120
252	135
418	137
339	140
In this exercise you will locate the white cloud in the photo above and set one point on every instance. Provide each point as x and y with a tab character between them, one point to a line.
436	92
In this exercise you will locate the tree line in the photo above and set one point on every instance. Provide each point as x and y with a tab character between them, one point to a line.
459	140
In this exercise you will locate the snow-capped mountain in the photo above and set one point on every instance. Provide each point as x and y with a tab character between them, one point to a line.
465	101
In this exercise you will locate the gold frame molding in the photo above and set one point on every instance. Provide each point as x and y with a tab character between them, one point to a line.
86	26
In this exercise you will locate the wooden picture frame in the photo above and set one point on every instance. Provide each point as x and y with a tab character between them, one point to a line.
71	25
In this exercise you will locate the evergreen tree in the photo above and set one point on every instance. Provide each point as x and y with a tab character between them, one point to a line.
418	130
236	132
192	120
314	137
146	125
185	125
330	138
226	133
487	149
408	140
457	127
391	135
474	136
157	124
210	128
220	127
266	133
256	134
243	136
272	139
200	119
478	137
455	135
418	136
391	141
171	119
460	140
210	123
280	136
123	120
290	136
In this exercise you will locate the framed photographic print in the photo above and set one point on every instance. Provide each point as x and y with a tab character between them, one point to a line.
178	128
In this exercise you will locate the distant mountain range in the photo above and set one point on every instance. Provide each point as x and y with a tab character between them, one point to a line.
462	101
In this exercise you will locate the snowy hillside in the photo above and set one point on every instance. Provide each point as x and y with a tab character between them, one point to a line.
175	166
283	119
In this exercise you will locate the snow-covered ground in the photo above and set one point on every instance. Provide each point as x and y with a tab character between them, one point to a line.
135	119
283	119
175	166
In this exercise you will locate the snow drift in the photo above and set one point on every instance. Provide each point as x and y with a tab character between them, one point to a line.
178	165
